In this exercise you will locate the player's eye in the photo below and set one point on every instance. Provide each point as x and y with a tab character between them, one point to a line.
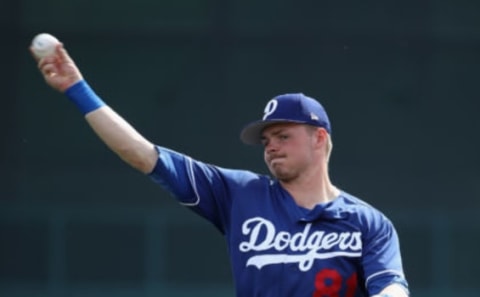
264	141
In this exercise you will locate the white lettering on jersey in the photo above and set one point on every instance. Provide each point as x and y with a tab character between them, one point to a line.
307	246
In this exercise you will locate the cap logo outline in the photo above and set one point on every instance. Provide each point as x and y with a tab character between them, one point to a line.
270	108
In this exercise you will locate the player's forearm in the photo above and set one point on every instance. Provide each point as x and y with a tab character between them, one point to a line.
394	290
112	129
123	139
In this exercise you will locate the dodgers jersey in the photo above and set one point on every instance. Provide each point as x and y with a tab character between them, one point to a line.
343	248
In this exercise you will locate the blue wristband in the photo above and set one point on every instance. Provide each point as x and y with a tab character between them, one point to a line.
84	97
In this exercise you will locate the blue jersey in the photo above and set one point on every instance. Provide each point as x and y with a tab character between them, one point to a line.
343	248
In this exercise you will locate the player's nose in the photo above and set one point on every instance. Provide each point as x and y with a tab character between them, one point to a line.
270	147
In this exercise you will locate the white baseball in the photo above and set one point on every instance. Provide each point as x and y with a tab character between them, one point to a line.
44	45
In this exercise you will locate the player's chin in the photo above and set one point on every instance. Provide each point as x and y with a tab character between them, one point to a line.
281	174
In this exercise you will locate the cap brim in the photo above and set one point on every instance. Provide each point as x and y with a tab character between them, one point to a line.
252	133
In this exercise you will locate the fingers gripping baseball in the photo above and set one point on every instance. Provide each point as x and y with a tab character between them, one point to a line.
57	68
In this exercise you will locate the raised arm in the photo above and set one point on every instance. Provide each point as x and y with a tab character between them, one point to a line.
61	73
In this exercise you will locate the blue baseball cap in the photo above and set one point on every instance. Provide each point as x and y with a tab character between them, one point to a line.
287	108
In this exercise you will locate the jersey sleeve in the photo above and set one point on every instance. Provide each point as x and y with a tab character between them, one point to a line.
382	262
203	187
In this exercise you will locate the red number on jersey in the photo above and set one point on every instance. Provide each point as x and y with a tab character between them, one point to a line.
328	283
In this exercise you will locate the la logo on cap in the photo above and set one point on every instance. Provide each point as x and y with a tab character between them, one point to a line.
270	108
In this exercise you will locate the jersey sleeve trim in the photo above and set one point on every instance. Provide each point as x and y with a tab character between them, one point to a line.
191	177
389	271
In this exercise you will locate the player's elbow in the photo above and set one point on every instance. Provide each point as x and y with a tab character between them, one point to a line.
139	158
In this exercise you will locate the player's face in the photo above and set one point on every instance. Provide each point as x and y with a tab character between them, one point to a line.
289	150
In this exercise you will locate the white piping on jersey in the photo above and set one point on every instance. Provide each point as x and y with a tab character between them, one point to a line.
396	272
191	177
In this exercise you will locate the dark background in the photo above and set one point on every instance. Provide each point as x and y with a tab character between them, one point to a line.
398	78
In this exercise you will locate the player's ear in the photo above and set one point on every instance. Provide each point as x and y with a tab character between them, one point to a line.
321	136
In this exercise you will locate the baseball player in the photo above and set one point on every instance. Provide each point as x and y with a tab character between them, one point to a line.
293	234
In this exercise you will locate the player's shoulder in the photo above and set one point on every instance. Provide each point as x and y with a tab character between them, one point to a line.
355	201
172	158
362	209
245	178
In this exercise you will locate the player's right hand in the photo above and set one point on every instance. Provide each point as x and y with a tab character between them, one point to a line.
58	70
